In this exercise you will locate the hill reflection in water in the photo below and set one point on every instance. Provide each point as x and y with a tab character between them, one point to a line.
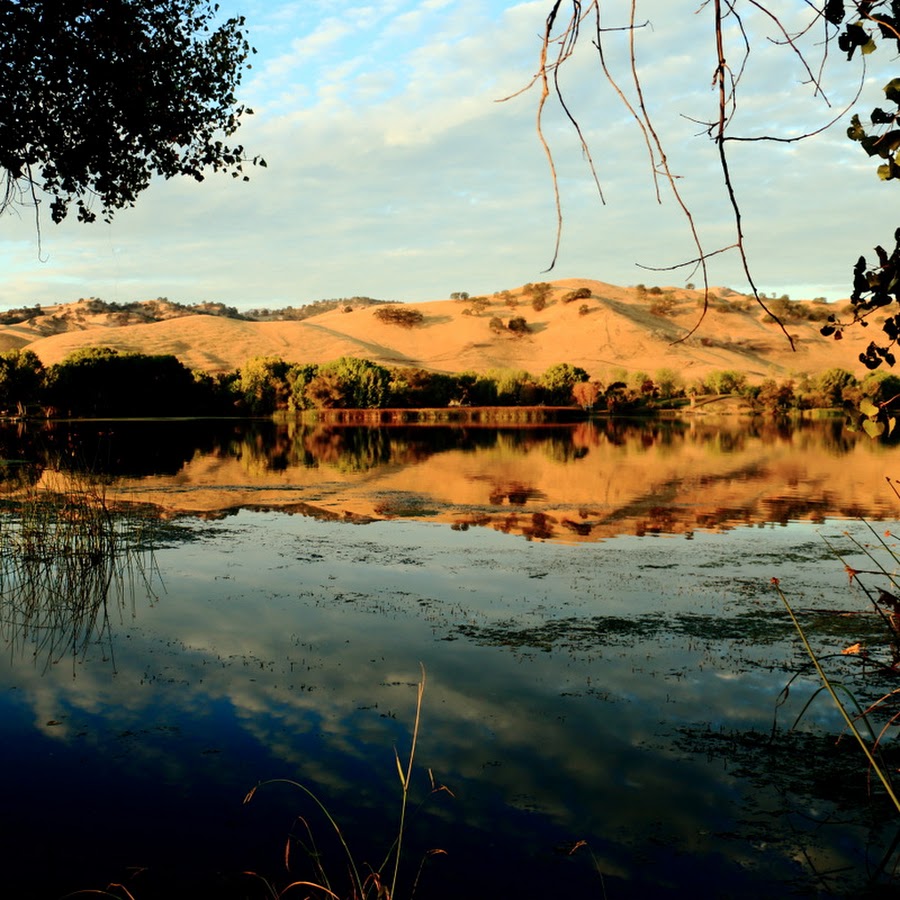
580	482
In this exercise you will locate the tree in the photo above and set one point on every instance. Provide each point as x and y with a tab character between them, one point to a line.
538	293
299	376
587	393
668	382
726	382
21	379
775	398
394	314
101	381
832	383
98	97
349	383
263	384
559	380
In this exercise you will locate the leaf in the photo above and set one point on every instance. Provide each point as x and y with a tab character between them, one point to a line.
892	421
873	428
399	768
852	649
868	408
892	90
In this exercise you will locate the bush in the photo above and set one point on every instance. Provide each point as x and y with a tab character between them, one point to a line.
663	306
518	325
581	293
399	315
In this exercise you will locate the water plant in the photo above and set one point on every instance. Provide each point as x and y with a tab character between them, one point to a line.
71	558
379	882
861	674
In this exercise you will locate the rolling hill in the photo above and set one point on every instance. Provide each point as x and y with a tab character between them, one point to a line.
615	328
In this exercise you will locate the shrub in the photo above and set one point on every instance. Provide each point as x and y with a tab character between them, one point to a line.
518	325
582	293
538	294
663	306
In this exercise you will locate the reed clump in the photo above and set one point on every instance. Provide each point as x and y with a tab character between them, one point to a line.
71	559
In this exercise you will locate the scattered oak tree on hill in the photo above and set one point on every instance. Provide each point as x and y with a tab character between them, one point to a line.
98	97
403	316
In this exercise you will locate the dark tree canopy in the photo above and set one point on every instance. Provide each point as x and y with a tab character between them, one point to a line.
98	96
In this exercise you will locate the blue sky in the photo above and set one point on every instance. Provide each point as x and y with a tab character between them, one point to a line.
393	172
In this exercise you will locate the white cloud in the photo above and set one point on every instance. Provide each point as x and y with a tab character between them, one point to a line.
386	147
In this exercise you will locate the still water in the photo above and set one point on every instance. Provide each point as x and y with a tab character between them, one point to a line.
593	608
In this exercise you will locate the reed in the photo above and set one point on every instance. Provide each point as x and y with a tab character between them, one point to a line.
851	721
380	882
70	562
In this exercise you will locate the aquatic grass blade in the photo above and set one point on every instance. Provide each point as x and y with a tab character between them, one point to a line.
878	769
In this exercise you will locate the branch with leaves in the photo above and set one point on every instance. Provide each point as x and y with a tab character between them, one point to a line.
96	99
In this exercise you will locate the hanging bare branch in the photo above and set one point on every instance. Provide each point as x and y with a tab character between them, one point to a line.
563	33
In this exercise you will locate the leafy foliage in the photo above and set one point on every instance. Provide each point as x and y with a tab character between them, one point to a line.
582	293
349	383
559	380
399	315
874	289
99	381
97	98
21	379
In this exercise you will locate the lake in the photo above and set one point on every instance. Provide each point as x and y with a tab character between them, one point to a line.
592	604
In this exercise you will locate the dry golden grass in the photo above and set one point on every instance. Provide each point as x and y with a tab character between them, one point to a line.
619	331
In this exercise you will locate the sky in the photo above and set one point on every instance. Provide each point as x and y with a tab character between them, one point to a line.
394	170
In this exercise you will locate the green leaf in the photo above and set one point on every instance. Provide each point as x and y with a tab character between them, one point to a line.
869	47
868	408
873	428
892	421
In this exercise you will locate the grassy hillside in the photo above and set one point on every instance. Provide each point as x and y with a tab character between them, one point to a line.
608	328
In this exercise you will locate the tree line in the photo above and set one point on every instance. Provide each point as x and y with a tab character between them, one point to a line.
101	382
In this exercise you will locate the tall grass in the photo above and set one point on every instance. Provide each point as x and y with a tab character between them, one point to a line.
868	712
380	882
70	561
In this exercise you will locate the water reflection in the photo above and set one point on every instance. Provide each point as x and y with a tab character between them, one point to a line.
580	482
611	692
620	694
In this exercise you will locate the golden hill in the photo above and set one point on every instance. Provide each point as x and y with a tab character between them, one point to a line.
615	328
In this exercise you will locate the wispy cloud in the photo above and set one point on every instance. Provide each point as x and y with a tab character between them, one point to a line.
393	171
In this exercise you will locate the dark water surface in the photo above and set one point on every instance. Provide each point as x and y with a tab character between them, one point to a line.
599	704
